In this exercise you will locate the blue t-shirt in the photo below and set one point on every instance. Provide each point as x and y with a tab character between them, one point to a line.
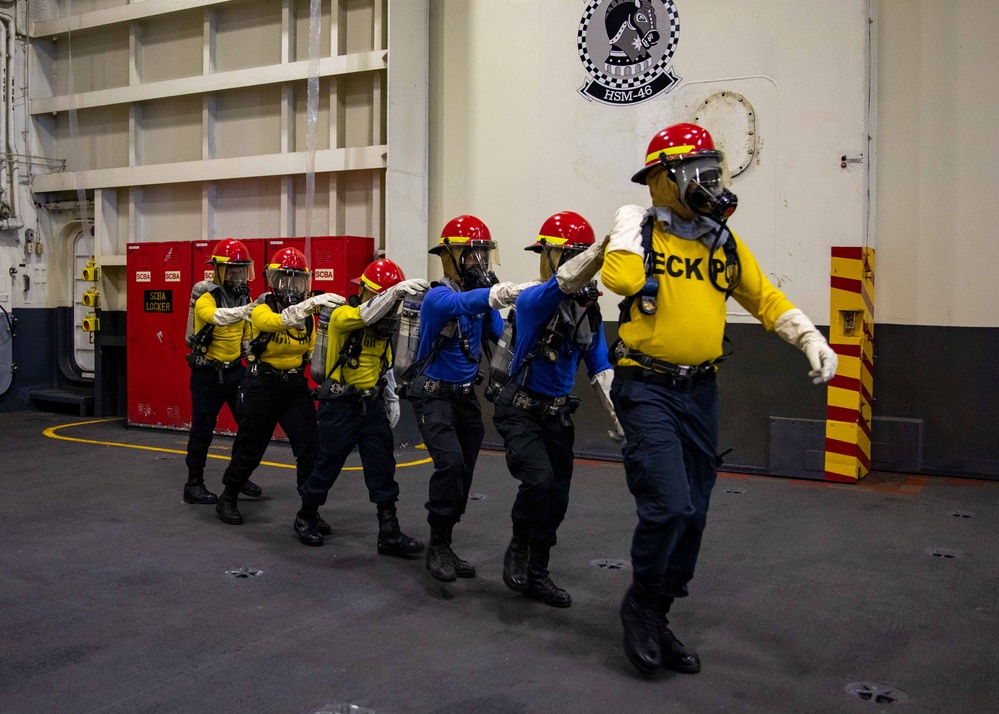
536	306
440	305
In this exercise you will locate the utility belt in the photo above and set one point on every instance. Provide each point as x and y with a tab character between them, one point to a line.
546	406
196	361
681	377
685	379
332	389
260	369
423	386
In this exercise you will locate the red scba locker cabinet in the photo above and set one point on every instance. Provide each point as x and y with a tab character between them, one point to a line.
160	279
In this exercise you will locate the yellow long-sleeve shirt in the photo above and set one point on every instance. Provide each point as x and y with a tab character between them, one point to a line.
689	323
344	320
286	348
227	340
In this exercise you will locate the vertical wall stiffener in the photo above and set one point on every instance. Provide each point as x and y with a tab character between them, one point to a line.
851	335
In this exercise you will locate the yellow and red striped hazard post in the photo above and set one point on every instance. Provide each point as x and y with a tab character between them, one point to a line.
851	335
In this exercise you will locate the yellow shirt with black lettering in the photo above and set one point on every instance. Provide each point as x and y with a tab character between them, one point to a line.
286	348
689	323
227	340
344	320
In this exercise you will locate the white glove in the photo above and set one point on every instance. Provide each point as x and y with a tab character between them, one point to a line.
796	329
601	383
381	304
232	315
503	294
577	272
391	400
626	234
293	317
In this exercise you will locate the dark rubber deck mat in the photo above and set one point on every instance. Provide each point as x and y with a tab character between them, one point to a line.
114	598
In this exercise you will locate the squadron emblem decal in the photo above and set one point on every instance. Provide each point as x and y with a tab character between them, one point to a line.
626	47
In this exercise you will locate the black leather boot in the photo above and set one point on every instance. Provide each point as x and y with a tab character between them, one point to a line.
515	563
195	491
641	629
227	511
675	654
391	540
439	554
322	526
462	568
307	531
251	489
540	585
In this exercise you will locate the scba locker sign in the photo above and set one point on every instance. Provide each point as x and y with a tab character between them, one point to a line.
158	301
626	47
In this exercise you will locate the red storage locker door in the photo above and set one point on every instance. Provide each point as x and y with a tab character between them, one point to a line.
159	292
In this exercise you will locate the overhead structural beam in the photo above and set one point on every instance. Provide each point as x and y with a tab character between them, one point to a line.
236	79
114	16
327	160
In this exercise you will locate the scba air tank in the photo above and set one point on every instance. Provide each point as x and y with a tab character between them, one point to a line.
197	291
409	333
322	342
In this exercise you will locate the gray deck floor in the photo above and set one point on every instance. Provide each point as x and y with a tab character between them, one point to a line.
114	597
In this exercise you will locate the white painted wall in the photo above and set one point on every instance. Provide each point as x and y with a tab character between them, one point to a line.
513	142
938	162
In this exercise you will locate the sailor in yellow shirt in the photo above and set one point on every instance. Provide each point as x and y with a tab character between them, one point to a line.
358	405
275	390
677	263
217	333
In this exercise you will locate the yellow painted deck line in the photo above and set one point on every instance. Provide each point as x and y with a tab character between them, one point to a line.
51	433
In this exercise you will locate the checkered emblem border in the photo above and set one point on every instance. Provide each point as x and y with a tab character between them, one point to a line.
631	82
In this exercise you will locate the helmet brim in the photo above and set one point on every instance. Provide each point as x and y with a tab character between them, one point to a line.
643	175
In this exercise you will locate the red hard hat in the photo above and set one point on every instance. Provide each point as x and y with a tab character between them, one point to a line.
289	259
380	275
674	142
464	231
564	230
230	252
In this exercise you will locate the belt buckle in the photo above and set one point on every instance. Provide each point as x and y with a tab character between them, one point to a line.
521	400
559	401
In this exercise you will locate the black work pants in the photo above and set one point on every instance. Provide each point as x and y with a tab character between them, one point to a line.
452	431
268	399
343	424
539	454
210	389
670	461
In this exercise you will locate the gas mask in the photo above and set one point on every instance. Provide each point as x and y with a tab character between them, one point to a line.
474	271
702	183
289	288
235	278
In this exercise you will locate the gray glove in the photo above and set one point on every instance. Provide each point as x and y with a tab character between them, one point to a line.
382	304
392	408
577	272
504	294
293	317
795	328
232	315
601	383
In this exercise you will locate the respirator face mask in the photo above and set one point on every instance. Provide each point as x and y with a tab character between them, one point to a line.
703	181
475	268
290	289
236	279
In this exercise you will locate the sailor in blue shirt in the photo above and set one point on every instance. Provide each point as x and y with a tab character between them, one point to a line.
456	316
558	324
